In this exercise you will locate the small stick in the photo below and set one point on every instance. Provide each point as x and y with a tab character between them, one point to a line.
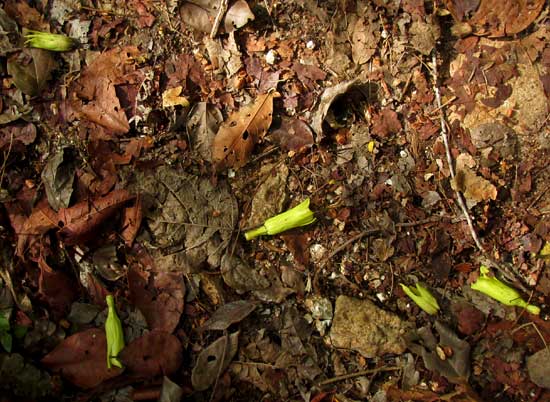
218	20
359	374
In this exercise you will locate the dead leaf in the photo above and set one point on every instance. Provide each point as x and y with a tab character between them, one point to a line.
158	295
202	125
237	136
538	366
228	314
200	15
56	288
456	368
41	220
58	178
385	123
31	69
308	74
329	95
298	245
171	97
293	135
153	354
496	18
80	221
17	137
82	359
475	188
241	277
214	360
131	221
364	39
271	194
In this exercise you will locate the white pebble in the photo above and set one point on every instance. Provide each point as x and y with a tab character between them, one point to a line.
270	56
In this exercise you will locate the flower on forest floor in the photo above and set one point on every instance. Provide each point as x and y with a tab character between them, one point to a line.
114	334
295	217
49	41
422	297
500	291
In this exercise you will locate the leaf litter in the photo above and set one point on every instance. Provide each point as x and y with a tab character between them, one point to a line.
131	165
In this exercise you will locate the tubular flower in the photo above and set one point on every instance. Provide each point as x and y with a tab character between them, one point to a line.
501	292
49	41
115	336
422	297
295	217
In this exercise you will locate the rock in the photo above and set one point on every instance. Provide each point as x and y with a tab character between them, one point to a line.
361	326
538	366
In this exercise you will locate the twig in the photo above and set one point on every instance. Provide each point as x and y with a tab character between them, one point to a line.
460	198
358	374
219	17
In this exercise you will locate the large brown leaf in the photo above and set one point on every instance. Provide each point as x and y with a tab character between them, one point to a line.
56	288
42	219
82	359
80	220
237	136
155	353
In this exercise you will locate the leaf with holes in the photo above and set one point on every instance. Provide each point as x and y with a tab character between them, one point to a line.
237	136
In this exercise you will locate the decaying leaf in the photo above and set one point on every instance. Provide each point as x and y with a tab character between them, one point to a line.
240	276
81	358
364	38
172	97
155	353
475	188
228	314
329	95
131	221
31	69
271	194
213	361
56	288
58	178
41	220
456	367
202	126
293	135
237	136
496	18
200	15
82	219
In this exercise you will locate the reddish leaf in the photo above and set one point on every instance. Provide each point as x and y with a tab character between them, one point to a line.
470	319
80	221
293	135
385	123
131	221
159	296
82	359
42	219
155	353
297	243
56	288
308	74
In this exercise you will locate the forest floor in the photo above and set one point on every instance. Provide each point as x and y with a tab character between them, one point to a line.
134	163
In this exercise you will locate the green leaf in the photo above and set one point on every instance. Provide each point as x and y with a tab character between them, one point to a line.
6	341
4	324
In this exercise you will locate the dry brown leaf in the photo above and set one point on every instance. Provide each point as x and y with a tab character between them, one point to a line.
237	136
497	18
475	188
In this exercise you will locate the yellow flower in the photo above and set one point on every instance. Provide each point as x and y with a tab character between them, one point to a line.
501	292
115	336
295	217
422	297
49	41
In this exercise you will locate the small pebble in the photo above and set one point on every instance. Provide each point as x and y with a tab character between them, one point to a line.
271	56
310	45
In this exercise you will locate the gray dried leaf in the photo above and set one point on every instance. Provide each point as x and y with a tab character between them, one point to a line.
58	178
31	69
213	361
238	275
170	392
538	366
83	313
228	314
106	263
271	194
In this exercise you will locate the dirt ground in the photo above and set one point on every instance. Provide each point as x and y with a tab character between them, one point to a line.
134	162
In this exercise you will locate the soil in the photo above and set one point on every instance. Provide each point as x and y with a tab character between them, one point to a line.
134	163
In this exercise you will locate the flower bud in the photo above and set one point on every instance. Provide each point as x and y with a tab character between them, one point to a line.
501	292
295	217
49	41
422	297
114	334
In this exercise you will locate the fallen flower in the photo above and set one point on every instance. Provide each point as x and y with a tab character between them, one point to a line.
501	292
114	334
295	217
49	41
422	297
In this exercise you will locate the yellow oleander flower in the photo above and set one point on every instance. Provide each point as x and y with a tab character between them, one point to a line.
115	336
500	291
49	41
422	297
295	217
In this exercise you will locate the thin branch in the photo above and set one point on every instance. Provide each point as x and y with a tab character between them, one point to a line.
219	17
